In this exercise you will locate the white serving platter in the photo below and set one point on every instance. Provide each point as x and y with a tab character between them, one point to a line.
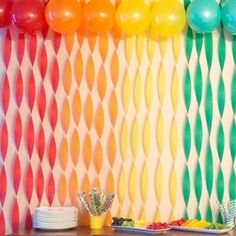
197	230
140	230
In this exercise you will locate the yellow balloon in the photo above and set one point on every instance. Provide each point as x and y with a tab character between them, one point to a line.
133	17
168	18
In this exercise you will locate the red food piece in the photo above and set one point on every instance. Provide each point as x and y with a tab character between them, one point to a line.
158	225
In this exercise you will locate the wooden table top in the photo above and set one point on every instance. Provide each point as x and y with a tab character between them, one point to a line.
107	231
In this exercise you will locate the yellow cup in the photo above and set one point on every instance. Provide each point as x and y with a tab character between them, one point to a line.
96	222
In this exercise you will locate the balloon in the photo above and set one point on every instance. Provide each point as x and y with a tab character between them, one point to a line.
63	16
203	16
28	16
99	15
133	17
5	9
229	16
168	18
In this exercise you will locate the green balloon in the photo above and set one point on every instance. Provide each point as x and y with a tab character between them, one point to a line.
204	16
229	15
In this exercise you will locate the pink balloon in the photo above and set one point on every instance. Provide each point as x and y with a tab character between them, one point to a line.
28	16
5	12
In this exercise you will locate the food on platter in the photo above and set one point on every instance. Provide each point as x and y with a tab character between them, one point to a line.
178	222
128	225
158	225
199	226
126	222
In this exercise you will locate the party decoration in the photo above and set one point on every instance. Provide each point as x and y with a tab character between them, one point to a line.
99	15
63	16
96	202
5	9
229	15
28	16
168	18
203	16
133	18
228	212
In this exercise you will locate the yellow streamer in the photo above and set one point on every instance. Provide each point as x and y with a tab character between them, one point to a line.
138	92
135	138
147	136
124	140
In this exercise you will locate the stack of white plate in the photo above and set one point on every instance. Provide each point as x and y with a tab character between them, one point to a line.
55	218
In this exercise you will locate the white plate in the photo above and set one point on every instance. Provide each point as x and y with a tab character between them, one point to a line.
140	230
208	231
44	226
54	219
57	210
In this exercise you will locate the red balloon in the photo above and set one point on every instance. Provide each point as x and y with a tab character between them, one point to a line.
28	16
5	12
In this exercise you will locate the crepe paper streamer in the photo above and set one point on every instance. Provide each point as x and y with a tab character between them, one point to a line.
198	183
209	169
189	43
221	96
209	49
233	92
232	184
187	139
187	90
198	134
209	106
220	185
220	142
198	83
186	186
209	216
199	43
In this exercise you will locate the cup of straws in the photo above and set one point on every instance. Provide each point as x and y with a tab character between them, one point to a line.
96	203
228	212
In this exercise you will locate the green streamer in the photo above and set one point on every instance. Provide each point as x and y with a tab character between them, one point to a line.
209	168
220	142
186	3
209	213
198	214
233	93
187	90
233	141
198	134
222	50
187	139
186	186
209	106
232	185
199	41
221	97
189	43
219	218
234	48
198	84
186	217
198	182
220	185
209	49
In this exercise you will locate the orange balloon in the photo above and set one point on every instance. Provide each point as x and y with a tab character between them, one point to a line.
99	15
63	16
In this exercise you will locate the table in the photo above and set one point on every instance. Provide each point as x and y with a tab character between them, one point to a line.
107	231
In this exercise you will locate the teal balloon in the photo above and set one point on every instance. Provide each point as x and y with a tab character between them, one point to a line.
204	16
229	15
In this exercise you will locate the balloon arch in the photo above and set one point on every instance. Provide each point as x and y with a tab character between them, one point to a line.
165	18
